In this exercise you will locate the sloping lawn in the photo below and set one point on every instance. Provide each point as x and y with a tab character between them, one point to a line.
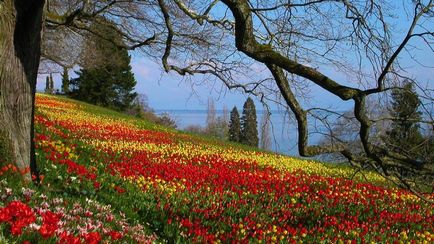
111	178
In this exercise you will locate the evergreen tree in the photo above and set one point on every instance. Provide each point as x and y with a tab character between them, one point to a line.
51	84
404	136
249	124
428	150
234	126
47	85
65	81
108	81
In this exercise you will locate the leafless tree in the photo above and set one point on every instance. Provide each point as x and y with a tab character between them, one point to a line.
344	128
196	129
295	39
216	126
68	22
281	51
265	142
211	116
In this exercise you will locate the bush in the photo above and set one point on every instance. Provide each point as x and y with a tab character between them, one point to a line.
197	129
166	120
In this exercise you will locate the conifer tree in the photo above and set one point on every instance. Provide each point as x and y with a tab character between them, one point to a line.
51	84
404	137
249	124
234	126
65	81
109	80
47	85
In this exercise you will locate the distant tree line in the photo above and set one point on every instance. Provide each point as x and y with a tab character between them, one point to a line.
234	128
215	126
141	109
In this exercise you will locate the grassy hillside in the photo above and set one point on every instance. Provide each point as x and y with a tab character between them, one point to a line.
112	178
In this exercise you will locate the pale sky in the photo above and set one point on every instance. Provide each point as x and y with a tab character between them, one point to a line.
171	92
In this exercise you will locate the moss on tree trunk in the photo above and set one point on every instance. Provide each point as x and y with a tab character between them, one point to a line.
6	156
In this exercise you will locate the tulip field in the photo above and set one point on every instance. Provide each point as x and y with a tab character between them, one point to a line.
111	178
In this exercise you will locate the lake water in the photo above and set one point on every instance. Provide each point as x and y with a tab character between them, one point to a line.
283	129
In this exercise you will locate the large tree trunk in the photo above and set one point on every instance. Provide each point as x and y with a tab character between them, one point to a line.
20	39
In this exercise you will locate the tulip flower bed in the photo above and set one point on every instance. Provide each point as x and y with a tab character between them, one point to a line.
56	220
98	163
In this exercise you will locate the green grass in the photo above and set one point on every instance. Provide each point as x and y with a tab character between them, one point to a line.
139	206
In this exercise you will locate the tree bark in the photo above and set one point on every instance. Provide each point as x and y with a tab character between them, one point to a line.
20	50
